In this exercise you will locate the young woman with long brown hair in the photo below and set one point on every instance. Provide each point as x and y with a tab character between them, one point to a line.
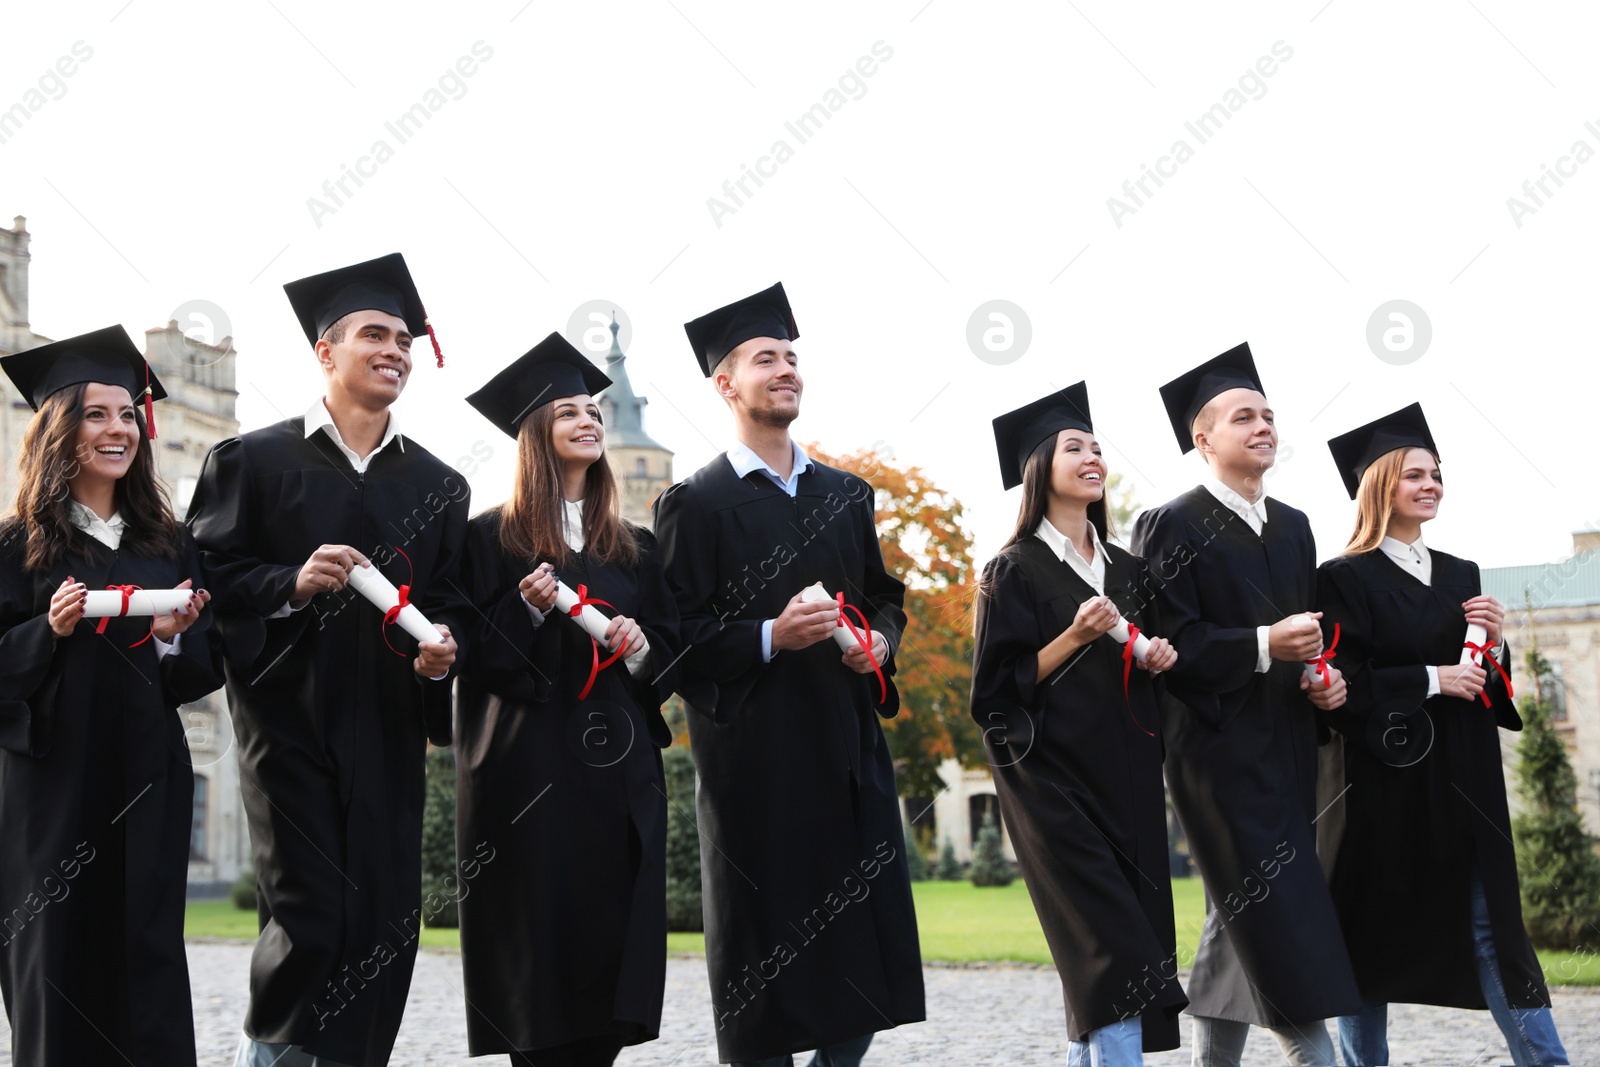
96	786
1073	736
1424	877
563	926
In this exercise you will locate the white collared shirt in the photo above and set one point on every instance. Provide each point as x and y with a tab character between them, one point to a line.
1254	513
743	459
1093	570
109	533
572	534
1413	558
319	418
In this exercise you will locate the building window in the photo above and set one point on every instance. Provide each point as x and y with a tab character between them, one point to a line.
979	805
197	827
639	467
1558	693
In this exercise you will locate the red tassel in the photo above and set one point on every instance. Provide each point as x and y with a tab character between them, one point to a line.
149	405
438	353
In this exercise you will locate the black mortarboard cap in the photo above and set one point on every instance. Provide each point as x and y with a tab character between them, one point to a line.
1188	393
763	314
1017	433
108	356
1357	450
382	284
545	373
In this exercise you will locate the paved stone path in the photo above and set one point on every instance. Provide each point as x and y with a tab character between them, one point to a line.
985	1015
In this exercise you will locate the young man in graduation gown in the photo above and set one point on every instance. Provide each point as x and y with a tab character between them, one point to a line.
332	707
811	938
1234	575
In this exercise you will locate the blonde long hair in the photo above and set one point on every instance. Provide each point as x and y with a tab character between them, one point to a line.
1375	500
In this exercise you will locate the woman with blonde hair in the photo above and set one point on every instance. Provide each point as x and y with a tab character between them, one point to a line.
561	809
1424	876
96	786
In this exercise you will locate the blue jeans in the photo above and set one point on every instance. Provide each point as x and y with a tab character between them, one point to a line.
1119	1045
840	1054
253	1053
1530	1033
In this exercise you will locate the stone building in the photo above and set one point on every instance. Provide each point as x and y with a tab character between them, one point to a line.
199	411
1556	606
642	467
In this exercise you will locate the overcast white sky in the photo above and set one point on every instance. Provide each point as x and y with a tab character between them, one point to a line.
974	163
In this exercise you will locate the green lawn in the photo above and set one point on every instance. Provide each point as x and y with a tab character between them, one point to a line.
957	922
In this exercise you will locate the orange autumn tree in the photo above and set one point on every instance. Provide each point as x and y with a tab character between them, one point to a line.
926	546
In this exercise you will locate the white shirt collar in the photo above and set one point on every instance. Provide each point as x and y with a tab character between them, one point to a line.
1091	571
743	459
319	418
572	524
1413	558
107	531
1254	514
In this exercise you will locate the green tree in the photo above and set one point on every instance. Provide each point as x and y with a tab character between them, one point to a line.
989	865
440	883
949	867
1556	862
684	911
916	862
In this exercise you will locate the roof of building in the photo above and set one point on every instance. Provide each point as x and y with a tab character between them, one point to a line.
627	408
1573	582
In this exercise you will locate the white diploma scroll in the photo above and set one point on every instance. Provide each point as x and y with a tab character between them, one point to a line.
589	618
1476	635
1316	677
108	602
1141	644
370	583
841	633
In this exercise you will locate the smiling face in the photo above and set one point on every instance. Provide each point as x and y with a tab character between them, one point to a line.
577	431
1420	490
366	358
1077	470
1237	434
108	436
760	379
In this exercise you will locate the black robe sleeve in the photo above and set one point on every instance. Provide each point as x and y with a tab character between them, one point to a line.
1385	704
1005	664
29	672
195	669
1212	659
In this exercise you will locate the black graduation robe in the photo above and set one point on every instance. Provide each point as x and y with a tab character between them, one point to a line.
564	925
811	935
332	725
1426	797
96	802
1242	761
1078	770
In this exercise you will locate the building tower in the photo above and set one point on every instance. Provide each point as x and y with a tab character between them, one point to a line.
641	466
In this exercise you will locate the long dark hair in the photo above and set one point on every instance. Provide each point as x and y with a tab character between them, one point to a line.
1036	496
531	520
49	460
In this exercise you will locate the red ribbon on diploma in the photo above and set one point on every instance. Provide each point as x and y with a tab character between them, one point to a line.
1328	653
863	638
1488	657
1127	672
595	664
390	616
126	591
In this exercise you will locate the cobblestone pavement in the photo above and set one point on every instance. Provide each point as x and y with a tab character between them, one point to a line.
998	1015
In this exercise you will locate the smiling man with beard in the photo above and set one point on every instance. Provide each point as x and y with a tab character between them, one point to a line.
796	788
332	708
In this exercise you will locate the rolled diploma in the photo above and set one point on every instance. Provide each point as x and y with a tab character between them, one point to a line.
590	618
1141	644
841	633
1476	635
104	602
370	583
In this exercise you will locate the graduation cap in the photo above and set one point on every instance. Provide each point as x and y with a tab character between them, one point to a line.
1357	450
382	284
1186	395
107	356
763	314
1017	433
545	373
